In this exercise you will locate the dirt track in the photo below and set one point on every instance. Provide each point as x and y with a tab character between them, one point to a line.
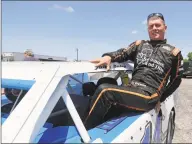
183	131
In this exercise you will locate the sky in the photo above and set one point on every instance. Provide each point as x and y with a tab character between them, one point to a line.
57	28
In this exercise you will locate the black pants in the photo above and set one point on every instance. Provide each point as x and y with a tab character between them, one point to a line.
108	96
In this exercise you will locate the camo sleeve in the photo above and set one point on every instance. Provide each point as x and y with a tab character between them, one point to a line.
124	54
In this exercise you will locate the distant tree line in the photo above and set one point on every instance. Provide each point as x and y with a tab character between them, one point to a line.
189	57
186	61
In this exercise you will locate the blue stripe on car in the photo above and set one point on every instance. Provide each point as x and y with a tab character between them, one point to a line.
109	136
17	83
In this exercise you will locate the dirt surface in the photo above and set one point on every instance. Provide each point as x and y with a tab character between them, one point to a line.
183	129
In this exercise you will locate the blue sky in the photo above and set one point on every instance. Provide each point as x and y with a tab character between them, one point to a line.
94	27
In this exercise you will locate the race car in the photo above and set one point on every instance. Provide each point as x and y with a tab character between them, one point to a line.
47	103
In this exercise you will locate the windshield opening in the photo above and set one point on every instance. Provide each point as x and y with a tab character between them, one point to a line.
10	100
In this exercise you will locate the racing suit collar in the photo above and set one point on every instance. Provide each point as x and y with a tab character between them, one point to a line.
156	42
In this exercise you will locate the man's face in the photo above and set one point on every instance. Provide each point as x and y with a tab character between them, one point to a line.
156	29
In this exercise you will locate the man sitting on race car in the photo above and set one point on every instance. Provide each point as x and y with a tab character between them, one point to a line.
155	63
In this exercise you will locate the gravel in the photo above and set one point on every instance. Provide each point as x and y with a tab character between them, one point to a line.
183	129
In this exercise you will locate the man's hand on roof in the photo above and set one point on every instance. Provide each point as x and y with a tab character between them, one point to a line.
106	60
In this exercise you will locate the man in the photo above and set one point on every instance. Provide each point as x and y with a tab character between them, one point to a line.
29	56
155	63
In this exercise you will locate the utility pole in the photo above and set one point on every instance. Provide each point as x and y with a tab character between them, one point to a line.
77	53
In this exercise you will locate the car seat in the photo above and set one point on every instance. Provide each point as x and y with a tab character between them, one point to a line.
89	89
107	80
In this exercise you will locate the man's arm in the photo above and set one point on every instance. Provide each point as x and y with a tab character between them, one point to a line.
124	54
175	75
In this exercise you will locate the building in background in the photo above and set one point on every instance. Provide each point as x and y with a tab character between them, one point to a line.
18	56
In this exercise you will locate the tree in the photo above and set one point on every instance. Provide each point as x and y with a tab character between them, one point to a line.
185	60
190	55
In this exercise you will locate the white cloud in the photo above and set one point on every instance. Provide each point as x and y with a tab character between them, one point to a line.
144	22
134	32
69	9
66	9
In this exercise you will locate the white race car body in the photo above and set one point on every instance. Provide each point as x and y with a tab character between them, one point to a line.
47	82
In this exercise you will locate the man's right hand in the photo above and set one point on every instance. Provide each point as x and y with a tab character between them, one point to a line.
106	60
